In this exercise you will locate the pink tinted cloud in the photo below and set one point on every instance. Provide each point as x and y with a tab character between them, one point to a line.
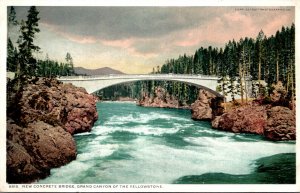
123	43
129	46
72	37
219	30
209	32
276	24
80	39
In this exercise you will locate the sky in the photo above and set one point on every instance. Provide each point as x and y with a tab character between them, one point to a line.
136	39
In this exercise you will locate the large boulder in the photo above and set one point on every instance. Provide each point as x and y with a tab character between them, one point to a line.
275	123
207	106
246	119
42	117
33	151
52	102
281	124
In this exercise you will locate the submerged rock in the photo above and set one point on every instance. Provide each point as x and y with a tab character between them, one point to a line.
275	169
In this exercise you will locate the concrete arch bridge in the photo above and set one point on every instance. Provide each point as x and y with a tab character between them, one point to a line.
98	82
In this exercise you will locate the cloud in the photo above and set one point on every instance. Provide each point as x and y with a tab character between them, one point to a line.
276	24
147	36
115	23
81	39
123	43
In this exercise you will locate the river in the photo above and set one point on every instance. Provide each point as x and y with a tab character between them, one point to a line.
133	144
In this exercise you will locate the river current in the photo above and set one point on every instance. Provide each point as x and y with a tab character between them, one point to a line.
133	144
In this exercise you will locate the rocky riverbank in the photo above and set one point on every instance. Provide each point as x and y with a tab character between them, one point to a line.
269	120
275	123
41	120
161	99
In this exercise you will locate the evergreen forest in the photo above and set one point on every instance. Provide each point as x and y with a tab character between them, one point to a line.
265	60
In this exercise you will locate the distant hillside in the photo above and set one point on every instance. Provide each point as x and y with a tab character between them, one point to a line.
98	71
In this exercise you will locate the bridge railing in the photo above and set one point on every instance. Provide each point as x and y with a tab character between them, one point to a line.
80	77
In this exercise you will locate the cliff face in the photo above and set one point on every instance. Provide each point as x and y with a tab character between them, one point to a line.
40	125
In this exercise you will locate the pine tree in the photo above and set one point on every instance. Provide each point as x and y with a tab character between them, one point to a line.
11	56
12	21
25	43
260	40
242	67
70	66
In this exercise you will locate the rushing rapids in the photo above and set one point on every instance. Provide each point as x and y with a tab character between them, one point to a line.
133	144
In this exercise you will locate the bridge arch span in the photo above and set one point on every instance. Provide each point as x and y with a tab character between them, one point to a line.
95	83
186	82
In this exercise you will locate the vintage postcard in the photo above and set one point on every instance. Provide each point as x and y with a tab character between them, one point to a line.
149	96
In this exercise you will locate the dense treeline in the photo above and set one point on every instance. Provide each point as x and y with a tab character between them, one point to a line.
117	91
265	60
186	93
51	68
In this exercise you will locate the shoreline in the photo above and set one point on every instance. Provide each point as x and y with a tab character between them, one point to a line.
116	101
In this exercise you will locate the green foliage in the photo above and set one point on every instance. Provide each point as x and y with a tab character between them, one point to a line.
21	59
51	68
26	46
12	17
248	57
11	56
70	67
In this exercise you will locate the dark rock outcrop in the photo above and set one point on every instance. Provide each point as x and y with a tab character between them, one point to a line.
281	124
246	119
275	123
160	99
267	116
34	150
207	106
40	125
52	102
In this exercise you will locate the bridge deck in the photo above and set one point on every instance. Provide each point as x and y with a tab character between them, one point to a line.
126	76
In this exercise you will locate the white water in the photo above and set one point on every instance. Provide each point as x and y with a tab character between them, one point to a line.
147	145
